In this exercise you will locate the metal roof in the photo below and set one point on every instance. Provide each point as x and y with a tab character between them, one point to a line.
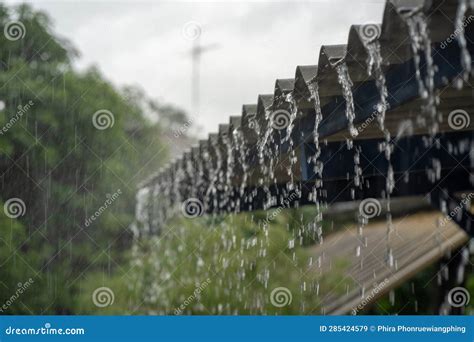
397	56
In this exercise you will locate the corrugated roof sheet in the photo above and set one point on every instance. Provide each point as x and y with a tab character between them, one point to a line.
393	36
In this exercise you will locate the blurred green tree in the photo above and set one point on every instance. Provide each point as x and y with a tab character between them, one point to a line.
73	149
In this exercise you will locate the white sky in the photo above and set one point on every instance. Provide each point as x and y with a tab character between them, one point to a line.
141	43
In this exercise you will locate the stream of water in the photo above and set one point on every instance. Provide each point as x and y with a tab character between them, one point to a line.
346	84
421	46
459	24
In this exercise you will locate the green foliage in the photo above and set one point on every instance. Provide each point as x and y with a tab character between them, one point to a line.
63	168
235	262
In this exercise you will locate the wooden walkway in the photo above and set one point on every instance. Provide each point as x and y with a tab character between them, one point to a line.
416	241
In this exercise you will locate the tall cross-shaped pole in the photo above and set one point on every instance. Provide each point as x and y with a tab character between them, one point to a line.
196	52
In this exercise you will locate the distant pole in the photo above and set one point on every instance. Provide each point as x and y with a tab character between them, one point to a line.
195	75
196	51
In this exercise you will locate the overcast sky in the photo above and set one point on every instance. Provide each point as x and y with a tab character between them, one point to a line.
142	43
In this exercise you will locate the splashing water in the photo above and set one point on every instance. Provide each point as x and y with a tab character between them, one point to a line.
374	67
318	166
240	147
265	157
212	186
228	187
459	23
141	210
421	44
346	84
316	225
289	138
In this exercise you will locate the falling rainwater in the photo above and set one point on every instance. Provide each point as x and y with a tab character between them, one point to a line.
240	147
228	185
200	176
291	194
141	210
374	67
318	165
459	23
421	44
289	138
215	168
265	157
346	84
